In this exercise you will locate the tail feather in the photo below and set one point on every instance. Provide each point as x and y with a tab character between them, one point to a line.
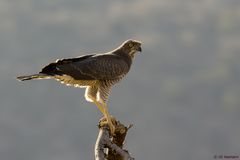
34	76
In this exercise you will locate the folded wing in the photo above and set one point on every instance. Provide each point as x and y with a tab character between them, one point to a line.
90	67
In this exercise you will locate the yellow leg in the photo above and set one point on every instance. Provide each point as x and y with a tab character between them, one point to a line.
100	107
106	114
104	109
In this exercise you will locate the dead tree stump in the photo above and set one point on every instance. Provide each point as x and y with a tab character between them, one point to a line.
110	147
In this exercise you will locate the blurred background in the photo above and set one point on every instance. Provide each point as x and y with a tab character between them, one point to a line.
182	93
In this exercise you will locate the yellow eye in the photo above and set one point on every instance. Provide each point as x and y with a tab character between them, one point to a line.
130	44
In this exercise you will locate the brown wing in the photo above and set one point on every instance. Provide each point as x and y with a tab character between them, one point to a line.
92	67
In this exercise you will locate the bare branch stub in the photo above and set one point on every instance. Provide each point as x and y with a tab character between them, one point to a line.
114	143
100	144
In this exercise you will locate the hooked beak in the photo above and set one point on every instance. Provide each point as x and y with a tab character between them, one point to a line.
139	48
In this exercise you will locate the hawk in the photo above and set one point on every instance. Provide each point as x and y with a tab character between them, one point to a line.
96	72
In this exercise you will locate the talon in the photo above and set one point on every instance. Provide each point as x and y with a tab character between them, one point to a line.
111	126
112	129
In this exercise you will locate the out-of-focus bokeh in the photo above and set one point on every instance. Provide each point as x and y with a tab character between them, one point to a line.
182	93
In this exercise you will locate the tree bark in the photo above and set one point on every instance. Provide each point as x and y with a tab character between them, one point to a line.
110	147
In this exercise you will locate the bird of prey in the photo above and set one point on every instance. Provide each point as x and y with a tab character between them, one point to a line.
96	72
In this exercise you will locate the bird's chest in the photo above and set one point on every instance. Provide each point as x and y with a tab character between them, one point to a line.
111	82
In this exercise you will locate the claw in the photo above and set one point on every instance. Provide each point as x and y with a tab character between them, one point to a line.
111	122
112	127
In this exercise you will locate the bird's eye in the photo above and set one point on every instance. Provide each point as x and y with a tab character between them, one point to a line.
130	44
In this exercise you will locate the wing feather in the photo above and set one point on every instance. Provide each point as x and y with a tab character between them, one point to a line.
97	67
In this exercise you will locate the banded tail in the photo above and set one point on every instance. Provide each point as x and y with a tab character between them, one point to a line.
34	76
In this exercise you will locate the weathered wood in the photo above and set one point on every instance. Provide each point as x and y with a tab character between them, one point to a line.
110	147
100	144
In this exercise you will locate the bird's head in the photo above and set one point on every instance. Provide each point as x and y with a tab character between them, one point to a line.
131	47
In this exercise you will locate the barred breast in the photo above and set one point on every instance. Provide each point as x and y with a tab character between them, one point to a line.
105	87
